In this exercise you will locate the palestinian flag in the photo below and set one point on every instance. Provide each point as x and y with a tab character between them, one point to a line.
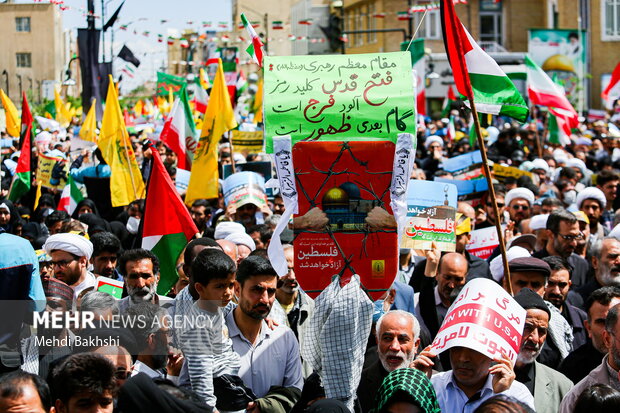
476	74
178	129
277	25
22	180
544	92
255	49
167	237
71	196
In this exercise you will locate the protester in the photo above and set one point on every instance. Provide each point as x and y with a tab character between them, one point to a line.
607	371
140	270
24	392
406	389
106	250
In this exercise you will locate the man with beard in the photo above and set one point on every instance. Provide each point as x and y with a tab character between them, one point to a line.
546	385
519	203
563	234
70	255
607	371
140	270
268	357
582	360
398	337
151	332
106	249
592	201
606	265
58	340
297	305
558	293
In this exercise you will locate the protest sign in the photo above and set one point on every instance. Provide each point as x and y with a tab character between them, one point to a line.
181	180
110	286
483	242
263	168
459	164
502	172
245	188
248	142
431	212
45	170
345	189
484	318
365	97
466	187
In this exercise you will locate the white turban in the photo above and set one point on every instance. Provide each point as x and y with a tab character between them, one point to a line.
497	265
433	139
519	193
540	164
5	207
615	233
591	193
577	163
224	229
71	243
44	137
539	222
560	156
241	238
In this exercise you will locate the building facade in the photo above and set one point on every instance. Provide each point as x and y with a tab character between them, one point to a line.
33	52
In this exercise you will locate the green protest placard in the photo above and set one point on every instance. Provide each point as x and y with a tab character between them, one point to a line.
339	97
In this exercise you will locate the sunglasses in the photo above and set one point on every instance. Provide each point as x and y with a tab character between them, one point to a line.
518	207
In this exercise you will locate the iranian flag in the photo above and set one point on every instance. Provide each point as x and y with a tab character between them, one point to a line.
167	237
451	130
559	130
22	180
544	92
613	88
179	129
71	196
476	74
201	98
419	66
255	49
447	102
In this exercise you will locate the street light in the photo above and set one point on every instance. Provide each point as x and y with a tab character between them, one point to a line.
69	81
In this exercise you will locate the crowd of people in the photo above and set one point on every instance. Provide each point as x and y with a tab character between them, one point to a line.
561	231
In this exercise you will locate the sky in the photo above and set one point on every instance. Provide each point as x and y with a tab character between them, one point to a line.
146	15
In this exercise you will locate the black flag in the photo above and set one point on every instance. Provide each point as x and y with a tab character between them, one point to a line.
112	19
128	56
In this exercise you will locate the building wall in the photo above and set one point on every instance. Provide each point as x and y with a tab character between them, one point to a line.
519	16
44	41
604	55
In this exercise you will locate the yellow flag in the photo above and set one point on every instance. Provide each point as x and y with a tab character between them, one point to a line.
138	107
204	79
257	107
89	127
12	117
218	119
63	116
126	182
37	195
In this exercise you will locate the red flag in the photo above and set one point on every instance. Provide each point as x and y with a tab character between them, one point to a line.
457	44
615	78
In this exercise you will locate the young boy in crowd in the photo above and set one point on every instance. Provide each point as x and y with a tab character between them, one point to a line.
212	364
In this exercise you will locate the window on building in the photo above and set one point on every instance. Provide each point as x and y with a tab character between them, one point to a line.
22	24
491	27
611	19
24	60
359	25
371	24
431	27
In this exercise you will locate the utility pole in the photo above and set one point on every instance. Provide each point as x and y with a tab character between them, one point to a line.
266	23
90	17
102	32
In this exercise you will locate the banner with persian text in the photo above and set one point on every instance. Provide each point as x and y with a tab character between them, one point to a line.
364	97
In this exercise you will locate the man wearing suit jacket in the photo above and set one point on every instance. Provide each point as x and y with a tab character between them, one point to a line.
546	385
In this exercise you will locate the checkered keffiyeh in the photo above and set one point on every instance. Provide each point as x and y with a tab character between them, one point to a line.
412	382
336	338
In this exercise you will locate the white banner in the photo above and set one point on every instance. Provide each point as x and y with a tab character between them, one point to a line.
404	157
283	159
485	318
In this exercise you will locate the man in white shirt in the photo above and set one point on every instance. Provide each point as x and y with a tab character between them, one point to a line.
270	361
70	257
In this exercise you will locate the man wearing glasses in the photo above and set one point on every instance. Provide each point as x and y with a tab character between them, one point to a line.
563	235
519	202
70	256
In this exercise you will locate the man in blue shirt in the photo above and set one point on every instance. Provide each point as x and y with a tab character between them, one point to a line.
473	379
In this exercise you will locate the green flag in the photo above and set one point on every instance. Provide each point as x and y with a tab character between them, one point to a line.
166	81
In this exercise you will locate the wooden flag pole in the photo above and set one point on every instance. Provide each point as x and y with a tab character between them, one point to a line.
539	149
487	173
